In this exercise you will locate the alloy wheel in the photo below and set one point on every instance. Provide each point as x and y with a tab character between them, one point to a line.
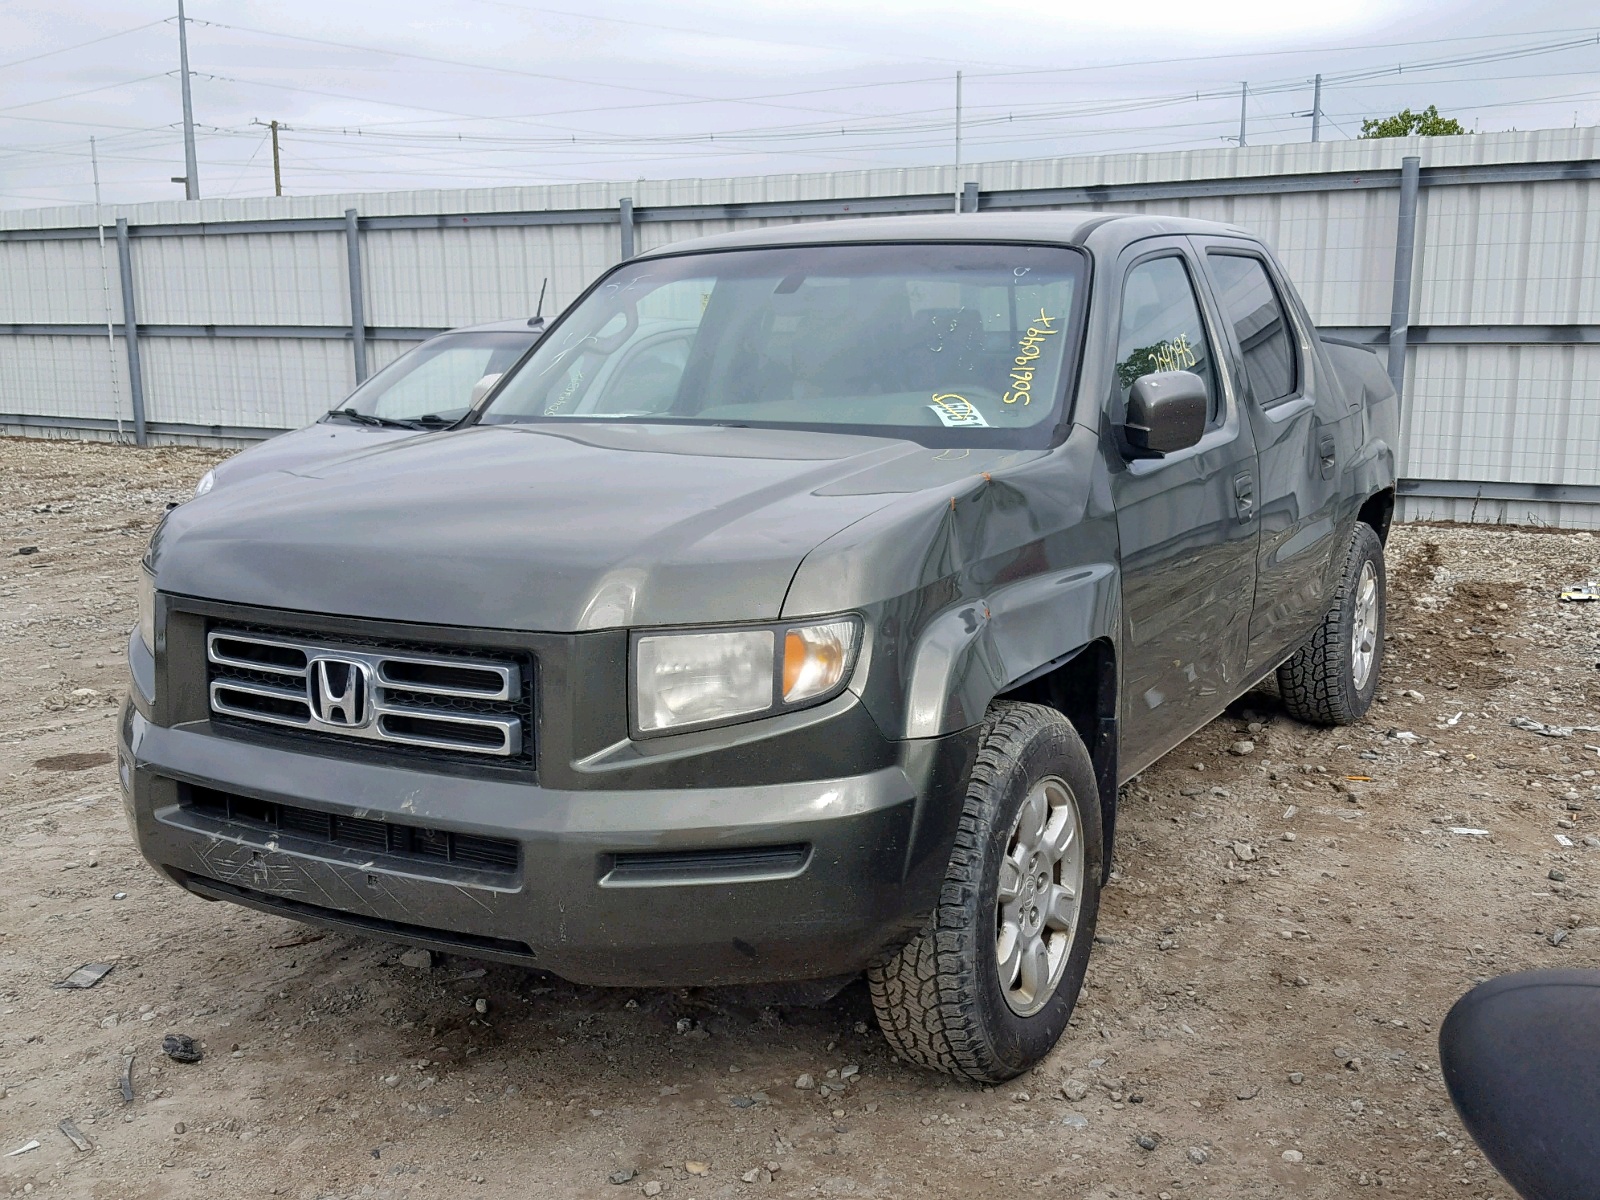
1041	880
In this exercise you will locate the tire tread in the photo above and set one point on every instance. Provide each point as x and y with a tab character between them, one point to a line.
1312	681
923	995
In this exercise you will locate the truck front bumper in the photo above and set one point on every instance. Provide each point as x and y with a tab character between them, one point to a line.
638	887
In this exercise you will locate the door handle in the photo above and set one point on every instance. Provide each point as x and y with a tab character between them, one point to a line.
1244	496
1326	450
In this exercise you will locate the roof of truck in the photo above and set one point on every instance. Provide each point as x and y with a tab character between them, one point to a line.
1058	228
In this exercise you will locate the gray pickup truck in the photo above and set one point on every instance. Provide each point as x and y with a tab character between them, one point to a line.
794	608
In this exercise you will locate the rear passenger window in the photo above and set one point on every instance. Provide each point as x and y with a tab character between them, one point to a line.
1251	303
1161	328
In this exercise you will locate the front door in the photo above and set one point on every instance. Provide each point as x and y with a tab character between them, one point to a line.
1186	522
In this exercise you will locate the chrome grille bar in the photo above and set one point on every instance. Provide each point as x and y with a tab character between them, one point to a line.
400	697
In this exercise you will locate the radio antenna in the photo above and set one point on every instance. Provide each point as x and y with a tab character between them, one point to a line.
539	310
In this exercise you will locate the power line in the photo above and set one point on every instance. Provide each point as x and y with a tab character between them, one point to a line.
815	130
17	62
719	35
104	87
835	136
541	75
1189	58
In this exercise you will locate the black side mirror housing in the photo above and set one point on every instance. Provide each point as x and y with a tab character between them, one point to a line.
1517	1054
1166	413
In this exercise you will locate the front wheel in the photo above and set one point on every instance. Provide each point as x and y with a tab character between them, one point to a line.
985	990
1332	679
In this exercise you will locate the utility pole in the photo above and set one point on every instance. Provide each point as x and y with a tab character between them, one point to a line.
1244	96
1316	109
958	141
105	295
191	171
277	162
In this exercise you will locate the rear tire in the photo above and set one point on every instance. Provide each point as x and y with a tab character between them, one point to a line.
985	990
1332	679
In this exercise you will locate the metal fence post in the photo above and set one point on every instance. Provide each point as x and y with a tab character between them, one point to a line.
130	331
358	315
1405	244
969	196
625	216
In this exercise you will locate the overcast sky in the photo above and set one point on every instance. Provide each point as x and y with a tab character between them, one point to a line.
414	94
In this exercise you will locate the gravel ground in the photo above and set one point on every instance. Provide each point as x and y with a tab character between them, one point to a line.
1288	924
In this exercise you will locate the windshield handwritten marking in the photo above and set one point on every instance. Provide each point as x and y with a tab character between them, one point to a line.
1173	354
1028	349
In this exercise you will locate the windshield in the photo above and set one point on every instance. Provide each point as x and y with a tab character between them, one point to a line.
948	344
440	379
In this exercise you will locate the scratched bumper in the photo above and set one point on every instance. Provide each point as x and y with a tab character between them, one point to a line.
876	847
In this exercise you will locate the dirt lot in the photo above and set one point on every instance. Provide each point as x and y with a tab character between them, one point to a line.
1286	929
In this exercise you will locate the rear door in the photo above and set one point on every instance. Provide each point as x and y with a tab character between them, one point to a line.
1294	416
1186	523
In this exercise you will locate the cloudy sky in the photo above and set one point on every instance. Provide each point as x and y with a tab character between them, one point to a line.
414	93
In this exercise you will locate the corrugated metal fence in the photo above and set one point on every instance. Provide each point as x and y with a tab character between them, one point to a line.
252	316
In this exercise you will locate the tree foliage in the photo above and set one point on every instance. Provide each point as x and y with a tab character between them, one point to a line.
1405	123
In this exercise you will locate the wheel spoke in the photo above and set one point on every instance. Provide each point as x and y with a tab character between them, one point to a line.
1008	952
1061	832
1035	970
1364	626
1060	908
1031	821
1010	880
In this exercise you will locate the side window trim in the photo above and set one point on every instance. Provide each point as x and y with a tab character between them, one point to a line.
1297	341
1230	427
1200	286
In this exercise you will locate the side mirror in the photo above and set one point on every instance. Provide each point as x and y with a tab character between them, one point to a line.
1517	1054
1166	413
481	388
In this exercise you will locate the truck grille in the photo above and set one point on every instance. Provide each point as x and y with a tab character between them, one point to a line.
458	704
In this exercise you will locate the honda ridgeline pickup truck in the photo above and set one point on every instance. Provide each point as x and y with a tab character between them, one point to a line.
792	609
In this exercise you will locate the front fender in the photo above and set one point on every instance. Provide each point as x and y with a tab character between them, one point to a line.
973	652
968	588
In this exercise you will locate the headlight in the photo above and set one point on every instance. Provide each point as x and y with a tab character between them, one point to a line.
147	609
207	481
694	679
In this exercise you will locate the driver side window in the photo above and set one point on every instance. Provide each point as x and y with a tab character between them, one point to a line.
1162	330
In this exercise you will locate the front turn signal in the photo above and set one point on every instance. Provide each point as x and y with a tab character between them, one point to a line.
815	658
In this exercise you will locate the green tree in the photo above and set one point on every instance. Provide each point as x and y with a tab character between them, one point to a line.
1405	123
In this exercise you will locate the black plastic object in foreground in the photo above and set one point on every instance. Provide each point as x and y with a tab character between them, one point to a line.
1521	1057
180	1047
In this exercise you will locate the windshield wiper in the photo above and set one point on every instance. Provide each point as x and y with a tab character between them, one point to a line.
426	421
361	418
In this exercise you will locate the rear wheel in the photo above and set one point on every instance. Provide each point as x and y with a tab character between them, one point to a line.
1332	679
985	990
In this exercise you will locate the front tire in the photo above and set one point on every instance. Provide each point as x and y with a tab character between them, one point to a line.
985	990
1332	679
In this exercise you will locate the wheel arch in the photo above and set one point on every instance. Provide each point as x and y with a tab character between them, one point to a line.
1082	686
1378	511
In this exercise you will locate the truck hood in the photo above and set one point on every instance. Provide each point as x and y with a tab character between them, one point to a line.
549	528
299	447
